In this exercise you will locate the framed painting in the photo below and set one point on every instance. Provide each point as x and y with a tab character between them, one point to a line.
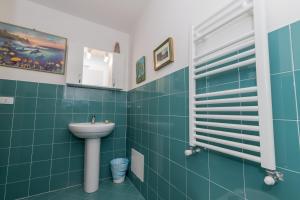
29	49
164	54
141	70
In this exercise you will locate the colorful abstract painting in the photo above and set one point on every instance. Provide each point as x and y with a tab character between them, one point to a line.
30	49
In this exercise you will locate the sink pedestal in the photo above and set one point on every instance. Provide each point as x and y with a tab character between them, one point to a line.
91	165
92	133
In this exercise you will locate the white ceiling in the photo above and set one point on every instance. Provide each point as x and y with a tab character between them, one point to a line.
117	14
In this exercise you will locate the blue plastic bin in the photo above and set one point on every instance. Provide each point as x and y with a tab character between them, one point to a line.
118	168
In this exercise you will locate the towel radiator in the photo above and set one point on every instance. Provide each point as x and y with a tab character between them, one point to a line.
236	121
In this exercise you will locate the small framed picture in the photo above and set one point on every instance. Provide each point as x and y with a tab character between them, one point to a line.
140	70
164	54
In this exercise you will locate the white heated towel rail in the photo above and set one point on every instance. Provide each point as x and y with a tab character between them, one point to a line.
235	121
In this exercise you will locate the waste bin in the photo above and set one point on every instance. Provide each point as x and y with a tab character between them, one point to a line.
118	168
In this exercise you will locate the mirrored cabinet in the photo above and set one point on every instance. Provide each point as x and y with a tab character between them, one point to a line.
99	69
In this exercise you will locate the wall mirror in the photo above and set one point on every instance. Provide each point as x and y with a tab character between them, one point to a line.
99	68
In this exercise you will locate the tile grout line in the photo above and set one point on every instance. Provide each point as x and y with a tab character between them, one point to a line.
181	92
194	173
294	83
150	150
285	72
114	114
47	98
52	143
243	164
39	145
28	179
289	170
33	138
186	128
10	141
128	185
155	153
70	139
35	129
169	134
38	161
135	128
221	186
148	160
36	195
208	179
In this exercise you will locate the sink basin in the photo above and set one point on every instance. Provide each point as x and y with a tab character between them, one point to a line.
90	131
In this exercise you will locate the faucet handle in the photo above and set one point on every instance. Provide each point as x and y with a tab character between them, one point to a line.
93	119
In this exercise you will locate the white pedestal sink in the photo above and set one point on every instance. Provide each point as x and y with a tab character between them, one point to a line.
92	134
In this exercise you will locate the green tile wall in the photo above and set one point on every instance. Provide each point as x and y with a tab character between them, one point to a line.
37	152
158	128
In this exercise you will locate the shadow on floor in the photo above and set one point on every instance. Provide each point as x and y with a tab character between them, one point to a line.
107	191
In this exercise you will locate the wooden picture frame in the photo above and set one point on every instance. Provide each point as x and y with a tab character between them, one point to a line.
163	54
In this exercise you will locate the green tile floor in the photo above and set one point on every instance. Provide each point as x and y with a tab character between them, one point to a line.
107	190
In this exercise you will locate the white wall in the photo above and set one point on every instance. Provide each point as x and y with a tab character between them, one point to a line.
174	18
79	33
282	12
160	20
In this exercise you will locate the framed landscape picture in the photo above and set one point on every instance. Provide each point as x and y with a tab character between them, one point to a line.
140	70
29	49
164	54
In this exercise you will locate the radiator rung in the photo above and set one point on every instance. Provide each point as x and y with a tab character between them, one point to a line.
227	92
229	152
216	27
241	136
228	109
226	45
227	100
219	15
228	117
228	143
201	61
226	68
225	61
230	120
230	126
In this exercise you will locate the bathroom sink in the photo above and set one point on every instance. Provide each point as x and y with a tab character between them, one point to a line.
90	131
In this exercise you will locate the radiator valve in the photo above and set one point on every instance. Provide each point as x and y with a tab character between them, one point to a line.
191	151
273	177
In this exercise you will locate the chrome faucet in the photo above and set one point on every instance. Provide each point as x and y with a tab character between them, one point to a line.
93	119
